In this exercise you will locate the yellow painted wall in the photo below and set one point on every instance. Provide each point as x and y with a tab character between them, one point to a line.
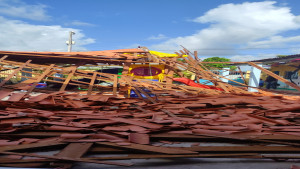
282	69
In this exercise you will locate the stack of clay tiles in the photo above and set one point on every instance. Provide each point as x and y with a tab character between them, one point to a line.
175	126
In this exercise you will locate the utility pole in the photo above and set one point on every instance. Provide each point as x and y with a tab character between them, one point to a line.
70	42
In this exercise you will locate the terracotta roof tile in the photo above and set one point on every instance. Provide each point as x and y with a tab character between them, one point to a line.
139	138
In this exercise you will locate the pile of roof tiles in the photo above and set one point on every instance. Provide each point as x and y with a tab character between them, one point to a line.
47	128
75	126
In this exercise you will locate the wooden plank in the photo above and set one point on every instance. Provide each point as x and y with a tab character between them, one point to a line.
169	77
38	66
126	68
179	136
4	94
138	123
148	148
206	74
229	88
242	75
130	84
196	56
138	90
34	134
237	137
103	60
4	57
73	150
115	85
42	76
249	149
151	156
13	161
153	58
275	76
24	165
30	146
144	93
14	73
15	97
66	82
92	84
67	158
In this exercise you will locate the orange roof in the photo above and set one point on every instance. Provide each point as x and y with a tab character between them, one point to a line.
90	53
71	57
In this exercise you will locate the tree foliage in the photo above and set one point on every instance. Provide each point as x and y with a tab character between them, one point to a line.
218	65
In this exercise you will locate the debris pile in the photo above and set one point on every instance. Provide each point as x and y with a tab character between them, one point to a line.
141	130
167	120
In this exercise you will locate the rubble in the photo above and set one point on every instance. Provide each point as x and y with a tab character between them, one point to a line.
103	120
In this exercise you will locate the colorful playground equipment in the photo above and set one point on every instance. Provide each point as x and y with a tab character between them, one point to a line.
147	71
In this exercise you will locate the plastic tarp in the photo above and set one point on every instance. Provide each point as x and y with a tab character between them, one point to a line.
190	82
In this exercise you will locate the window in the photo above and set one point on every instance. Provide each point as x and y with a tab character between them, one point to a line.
276	72
289	75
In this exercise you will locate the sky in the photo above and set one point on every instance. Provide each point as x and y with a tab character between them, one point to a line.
235	29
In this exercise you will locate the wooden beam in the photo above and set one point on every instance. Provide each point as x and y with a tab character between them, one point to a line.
126	79
46	72
70	75
169	77
92	84
153	156
148	148
115	85
40	146
14	73
66	158
126	68
196	56
73	150
207	74
4	57
242	75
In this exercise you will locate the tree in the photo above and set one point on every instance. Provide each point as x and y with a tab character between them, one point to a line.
218	65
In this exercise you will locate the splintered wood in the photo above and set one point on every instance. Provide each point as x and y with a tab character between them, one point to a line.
144	130
166	120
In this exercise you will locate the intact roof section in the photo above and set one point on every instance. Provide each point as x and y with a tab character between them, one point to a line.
283	59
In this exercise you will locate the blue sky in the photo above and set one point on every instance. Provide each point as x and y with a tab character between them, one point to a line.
236	29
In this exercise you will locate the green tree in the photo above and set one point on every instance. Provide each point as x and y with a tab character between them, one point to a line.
218	65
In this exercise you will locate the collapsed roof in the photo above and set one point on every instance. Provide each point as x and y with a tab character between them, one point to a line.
103	121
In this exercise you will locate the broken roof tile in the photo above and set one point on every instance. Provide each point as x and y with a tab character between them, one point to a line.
138	123
73	136
139	138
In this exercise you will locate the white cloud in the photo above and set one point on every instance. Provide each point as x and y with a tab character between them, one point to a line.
234	26
273	42
17	35
297	19
158	37
19	9
246	58
80	23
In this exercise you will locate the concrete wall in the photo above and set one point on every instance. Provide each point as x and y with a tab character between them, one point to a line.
283	68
